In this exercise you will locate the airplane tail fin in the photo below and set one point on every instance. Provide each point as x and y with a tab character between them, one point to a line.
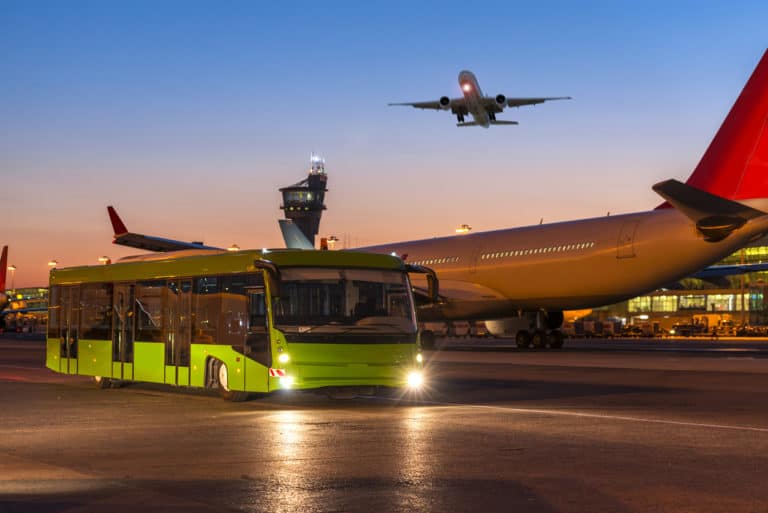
117	224
735	165
3	268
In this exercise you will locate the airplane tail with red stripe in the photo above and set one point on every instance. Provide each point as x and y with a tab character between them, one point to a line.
735	166
3	268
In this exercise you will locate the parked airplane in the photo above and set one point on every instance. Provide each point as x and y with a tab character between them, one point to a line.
482	108
150	243
544	269
294	238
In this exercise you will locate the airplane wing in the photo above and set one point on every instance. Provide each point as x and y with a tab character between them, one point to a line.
434	105
519	102
137	240
493	122
457	105
719	271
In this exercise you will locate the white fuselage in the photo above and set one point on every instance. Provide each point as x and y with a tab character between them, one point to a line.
568	265
473	96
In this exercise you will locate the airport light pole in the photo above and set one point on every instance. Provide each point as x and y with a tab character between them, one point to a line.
53	263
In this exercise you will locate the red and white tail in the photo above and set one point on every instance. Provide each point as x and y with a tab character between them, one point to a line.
3	268
735	166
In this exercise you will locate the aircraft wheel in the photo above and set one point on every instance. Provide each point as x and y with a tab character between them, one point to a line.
102	382
222	380
555	340
522	339
538	339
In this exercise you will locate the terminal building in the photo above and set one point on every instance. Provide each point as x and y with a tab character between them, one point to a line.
704	304
27	310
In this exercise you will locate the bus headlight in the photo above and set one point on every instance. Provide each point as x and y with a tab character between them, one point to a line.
419	358
286	381
283	358
415	380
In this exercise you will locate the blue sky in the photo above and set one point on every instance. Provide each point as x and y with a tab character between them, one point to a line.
188	116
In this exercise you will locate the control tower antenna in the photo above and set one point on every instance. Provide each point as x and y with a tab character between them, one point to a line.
303	201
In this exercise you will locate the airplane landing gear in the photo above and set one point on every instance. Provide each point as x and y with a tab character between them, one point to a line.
460	117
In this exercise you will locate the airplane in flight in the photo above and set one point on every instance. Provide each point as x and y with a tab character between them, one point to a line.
539	271
483	109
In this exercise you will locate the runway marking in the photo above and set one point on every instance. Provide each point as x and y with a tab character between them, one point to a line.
565	413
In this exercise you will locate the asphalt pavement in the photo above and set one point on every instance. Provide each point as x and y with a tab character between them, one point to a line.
581	430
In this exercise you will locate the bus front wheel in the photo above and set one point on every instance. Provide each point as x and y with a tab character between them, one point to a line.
221	374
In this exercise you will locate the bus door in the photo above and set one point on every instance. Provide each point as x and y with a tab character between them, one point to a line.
69	328
122	331
257	344
178	332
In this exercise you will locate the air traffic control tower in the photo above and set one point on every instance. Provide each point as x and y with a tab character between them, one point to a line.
303	201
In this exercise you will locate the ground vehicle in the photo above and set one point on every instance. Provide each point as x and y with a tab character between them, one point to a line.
247	321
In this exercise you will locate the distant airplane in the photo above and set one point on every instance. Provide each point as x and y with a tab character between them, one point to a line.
542	270
294	238
482	108
150	243
4	299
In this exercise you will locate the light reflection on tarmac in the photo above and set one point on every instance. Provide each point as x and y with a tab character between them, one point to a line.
500	430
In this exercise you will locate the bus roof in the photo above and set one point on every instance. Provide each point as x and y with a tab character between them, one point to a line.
201	263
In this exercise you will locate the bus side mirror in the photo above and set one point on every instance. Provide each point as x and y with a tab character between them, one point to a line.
273	276
433	284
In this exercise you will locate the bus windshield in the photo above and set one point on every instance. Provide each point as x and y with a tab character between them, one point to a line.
341	301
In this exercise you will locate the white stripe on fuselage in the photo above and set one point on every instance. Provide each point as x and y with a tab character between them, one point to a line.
575	264
473	96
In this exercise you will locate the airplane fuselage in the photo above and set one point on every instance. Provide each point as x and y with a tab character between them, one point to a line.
568	265
473	96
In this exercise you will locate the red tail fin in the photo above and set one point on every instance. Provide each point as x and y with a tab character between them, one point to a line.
735	166
117	224
3	268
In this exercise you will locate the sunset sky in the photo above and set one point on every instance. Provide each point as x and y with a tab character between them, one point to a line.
188	116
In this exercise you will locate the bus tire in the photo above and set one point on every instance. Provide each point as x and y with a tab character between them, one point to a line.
102	382
555	340
221	375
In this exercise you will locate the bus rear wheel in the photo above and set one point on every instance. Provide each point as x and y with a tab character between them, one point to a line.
102	382
221	375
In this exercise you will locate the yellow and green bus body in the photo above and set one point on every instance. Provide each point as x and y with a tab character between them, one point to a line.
243	322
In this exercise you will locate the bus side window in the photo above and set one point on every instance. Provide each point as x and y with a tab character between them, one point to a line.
257	341
54	312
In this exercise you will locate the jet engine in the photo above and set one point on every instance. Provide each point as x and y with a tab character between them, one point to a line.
501	100
445	103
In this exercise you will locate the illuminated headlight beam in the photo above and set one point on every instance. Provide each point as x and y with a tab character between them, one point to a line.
415	380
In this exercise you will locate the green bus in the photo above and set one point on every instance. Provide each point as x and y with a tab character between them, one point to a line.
241	322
